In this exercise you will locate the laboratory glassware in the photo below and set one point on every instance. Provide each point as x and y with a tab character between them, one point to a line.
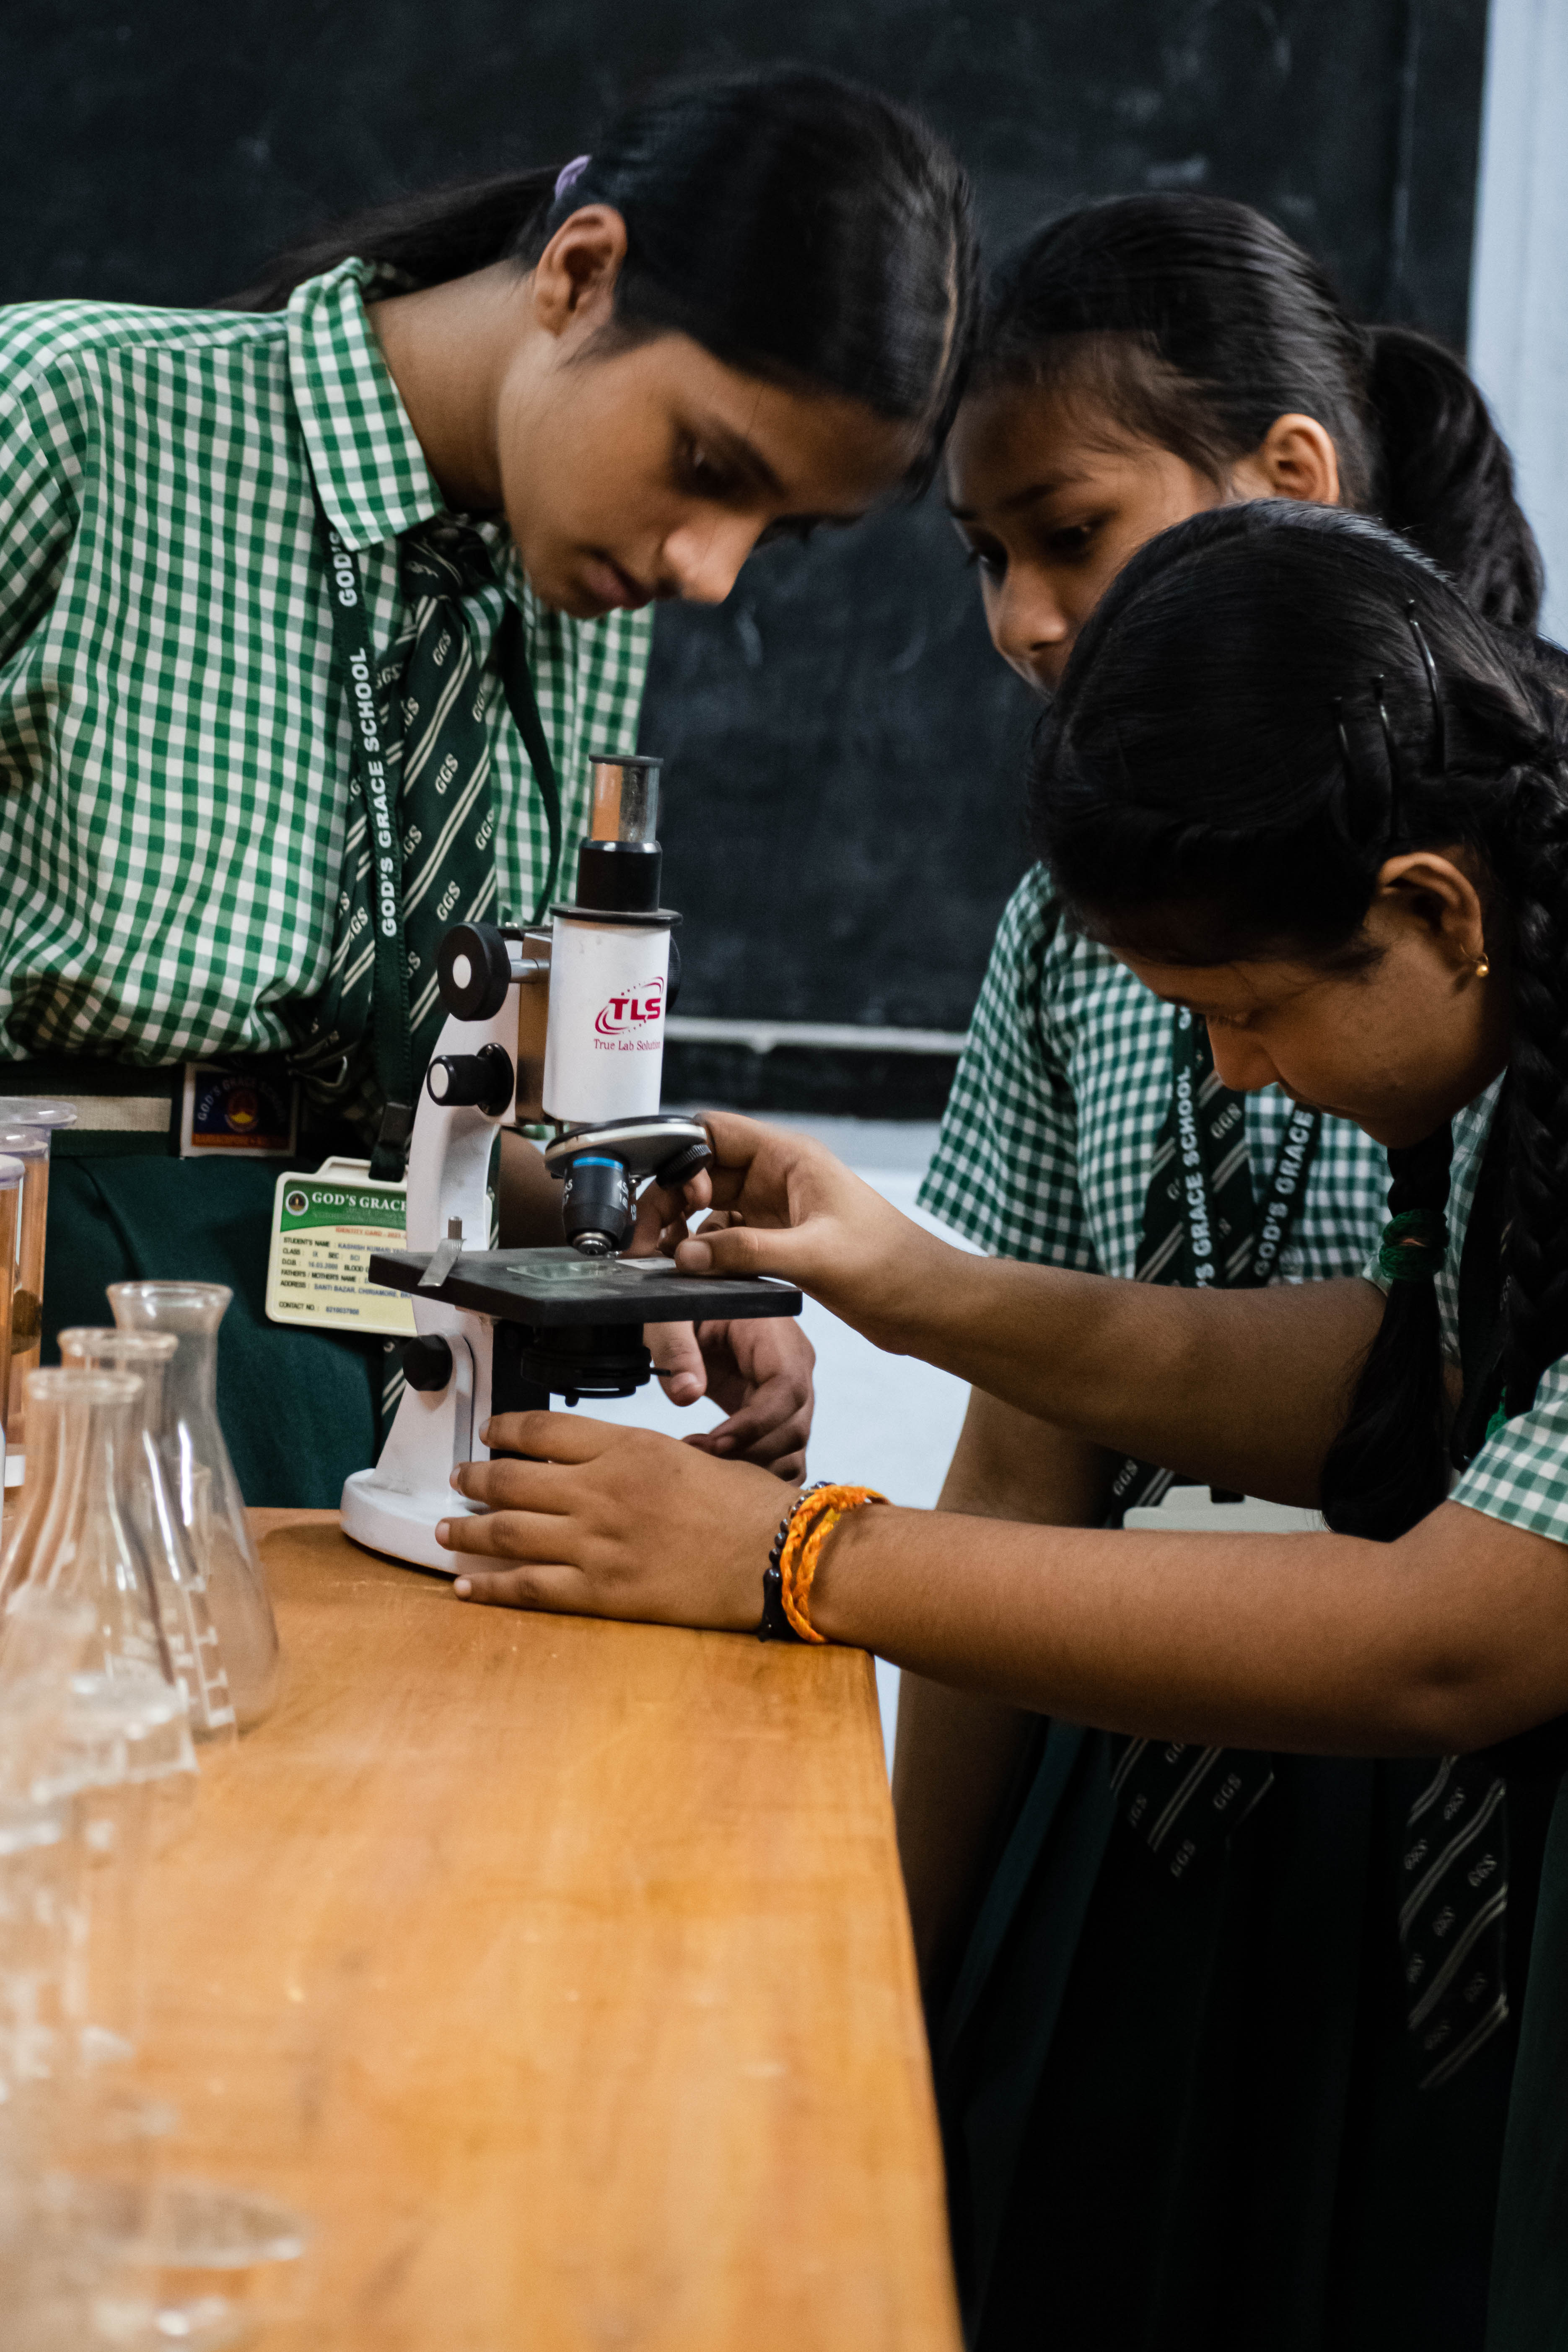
45	1396
237	1592
11	1174
195	1652
29	1144
44	1640
125	1751
89	1545
36	1110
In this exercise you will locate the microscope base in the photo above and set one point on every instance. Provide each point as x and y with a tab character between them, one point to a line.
403	1525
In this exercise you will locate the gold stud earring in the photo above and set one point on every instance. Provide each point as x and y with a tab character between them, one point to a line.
1483	965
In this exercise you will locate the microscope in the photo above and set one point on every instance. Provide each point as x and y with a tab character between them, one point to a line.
561	1027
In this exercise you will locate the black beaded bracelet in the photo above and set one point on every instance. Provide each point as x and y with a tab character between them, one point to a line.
774	1625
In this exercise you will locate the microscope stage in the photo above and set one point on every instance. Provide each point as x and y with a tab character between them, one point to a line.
555	1286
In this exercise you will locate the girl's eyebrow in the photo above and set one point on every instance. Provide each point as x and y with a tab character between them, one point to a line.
740	453
1019	498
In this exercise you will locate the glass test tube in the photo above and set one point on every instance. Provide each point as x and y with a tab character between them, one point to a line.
30	1145
11	1172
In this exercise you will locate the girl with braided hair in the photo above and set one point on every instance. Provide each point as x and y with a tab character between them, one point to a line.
1139	360
1303	790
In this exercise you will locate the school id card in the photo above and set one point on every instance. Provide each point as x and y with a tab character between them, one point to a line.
325	1230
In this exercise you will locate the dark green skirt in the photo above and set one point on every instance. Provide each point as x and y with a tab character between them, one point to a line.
298	1408
1180	2114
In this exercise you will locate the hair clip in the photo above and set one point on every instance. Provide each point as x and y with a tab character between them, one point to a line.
1439	728
1390	755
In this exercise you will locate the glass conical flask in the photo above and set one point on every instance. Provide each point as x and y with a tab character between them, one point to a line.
88	1546
193	1439
44	1405
44	1640
125	1750
195	1652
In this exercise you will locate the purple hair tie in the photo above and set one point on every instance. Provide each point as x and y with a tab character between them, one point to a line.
568	176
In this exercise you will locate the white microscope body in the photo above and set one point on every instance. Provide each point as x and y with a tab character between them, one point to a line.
563	1026
394	1507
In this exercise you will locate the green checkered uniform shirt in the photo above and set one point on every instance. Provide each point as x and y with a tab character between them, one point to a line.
1522	1474
1051	1127
175	757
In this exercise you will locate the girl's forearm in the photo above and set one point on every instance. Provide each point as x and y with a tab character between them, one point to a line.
1237	1388
1450	1639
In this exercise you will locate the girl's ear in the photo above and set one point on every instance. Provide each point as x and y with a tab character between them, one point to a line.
1438	896
576	275
1295	459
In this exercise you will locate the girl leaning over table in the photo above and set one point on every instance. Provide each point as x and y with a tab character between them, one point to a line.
507	417
1303	791
1142	360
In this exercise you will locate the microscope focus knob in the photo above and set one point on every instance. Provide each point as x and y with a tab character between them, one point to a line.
483	1081
475	971
428	1363
688	1162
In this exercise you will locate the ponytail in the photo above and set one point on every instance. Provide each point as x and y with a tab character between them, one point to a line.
800	229
1445	476
1195	322
426	239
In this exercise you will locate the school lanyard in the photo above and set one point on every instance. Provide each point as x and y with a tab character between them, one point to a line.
391	1031
1141	1485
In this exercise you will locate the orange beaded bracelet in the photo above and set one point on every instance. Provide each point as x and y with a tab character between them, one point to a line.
814	1519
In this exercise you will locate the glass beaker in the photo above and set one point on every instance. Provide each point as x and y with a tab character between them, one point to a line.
227	1556
195	1652
30	1145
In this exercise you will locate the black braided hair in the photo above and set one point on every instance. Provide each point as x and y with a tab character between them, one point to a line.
1389	1465
1535	873
1194	322
1215	783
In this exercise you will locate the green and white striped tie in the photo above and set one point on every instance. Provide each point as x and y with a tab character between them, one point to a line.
434	692
442	765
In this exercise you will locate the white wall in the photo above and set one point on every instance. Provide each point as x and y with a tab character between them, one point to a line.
1519	292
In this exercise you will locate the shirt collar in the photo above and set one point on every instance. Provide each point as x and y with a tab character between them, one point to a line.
365	456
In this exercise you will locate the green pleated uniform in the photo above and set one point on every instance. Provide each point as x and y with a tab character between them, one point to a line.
1182	2116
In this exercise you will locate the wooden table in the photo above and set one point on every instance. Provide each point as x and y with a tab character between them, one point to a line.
560	1971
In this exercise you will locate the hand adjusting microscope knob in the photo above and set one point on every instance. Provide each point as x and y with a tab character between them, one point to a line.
686	1164
485	1081
475	971
426	1363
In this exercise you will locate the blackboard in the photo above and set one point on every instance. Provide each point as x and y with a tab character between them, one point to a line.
844	750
